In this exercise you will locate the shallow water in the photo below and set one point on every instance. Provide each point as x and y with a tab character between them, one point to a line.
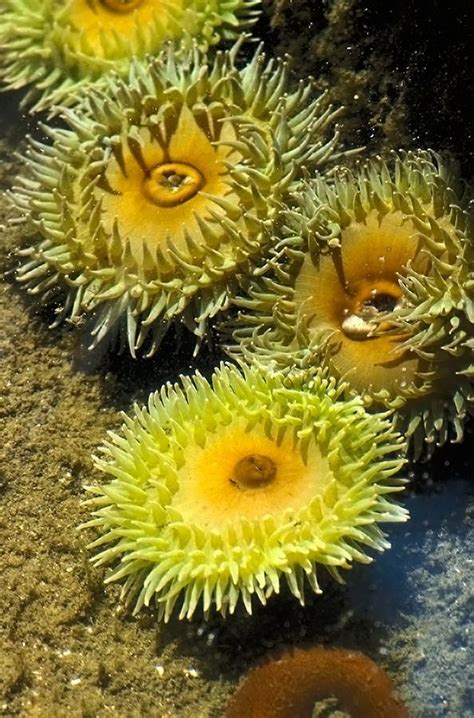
69	648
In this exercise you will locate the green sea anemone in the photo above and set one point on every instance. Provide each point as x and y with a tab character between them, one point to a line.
219	491
374	279
55	47
157	199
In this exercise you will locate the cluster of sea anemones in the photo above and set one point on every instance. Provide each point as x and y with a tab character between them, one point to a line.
372	277
185	183
156	198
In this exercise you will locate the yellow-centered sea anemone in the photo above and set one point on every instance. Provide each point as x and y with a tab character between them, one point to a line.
158	198
374	279
219	492
55	47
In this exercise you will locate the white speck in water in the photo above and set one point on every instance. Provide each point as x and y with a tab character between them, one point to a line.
191	672
211	638
63	653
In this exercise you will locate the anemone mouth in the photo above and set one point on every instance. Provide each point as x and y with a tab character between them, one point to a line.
353	296
244	476
172	183
219	492
121	6
253	472
368	306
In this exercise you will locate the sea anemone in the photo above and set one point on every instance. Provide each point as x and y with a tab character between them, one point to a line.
157	199
218	491
58	46
289	685
374	279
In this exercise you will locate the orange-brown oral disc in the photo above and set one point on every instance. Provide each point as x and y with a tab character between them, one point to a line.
172	183
253	471
371	301
121	6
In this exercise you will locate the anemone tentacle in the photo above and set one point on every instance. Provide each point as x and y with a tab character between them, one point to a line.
157	199
373	278
220	490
